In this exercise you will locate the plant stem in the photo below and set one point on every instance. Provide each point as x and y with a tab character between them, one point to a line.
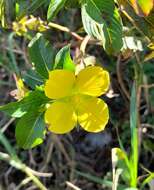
65	29
19	165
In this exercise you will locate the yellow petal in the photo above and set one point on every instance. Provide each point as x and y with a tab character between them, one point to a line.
93	114
59	84
93	81
60	117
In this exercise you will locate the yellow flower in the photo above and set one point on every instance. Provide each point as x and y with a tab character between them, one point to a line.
75	100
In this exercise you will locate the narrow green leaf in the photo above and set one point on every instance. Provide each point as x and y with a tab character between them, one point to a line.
41	54
98	180
30	130
133	111
13	62
7	12
2	13
32	102
5	142
147	180
63	59
35	4
102	21
54	8
134	138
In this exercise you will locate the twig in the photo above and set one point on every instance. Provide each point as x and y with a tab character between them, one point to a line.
40	174
120	78
13	50
147	86
116	178
49	154
7	125
5	83
65	29
62	148
23	182
72	186
134	24
84	44
146	92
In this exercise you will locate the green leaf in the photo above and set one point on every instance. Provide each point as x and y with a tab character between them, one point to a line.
35	4
98	180
13	62
41	54
54	8
100	11
32	79
30	130
32	102
63	59
24	7
102	21
134	137
6	143
147	180
7	12
2	13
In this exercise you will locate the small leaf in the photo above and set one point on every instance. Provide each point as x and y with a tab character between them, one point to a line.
63	59
30	130
31	102
41	54
102	21
54	8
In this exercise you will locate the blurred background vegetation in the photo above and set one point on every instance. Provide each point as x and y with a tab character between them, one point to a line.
80	160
